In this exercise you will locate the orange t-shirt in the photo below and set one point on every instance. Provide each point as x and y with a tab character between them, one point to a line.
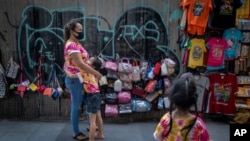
198	11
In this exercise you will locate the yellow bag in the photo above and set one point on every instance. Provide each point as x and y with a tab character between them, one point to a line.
33	87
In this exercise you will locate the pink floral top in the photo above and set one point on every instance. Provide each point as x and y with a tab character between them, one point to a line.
197	133
89	80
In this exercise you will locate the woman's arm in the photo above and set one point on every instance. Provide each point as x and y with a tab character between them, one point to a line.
77	60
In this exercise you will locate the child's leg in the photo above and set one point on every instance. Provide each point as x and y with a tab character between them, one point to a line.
100	124
92	128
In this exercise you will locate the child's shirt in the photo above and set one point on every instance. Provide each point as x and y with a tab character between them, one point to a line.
90	83
197	133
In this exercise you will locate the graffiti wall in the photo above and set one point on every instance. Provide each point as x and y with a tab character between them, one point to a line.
131	28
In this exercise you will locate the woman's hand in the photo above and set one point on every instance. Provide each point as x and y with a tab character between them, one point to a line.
99	75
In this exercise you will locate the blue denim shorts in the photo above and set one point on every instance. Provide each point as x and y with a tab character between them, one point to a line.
93	102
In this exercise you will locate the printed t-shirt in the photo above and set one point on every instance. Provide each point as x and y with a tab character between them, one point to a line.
199	131
90	82
232	36
71	47
196	53
197	12
224	13
216	51
222	93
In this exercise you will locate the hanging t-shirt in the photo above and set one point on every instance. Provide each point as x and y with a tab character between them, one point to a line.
225	13
196	53
216	51
197	12
202	85
243	11
233	36
222	93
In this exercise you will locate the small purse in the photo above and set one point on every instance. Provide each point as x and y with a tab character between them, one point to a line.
124	66
103	81
111	97
136	75
157	68
127	77
111	65
150	86
124	97
127	85
48	91
138	91
112	74
125	108
111	110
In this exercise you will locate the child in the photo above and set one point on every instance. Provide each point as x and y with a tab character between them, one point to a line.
93	99
179	123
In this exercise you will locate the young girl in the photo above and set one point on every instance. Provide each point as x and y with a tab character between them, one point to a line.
179	124
94	100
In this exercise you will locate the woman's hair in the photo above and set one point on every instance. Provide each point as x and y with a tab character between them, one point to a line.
183	95
70	25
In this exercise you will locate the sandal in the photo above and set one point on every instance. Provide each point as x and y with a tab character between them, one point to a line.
78	137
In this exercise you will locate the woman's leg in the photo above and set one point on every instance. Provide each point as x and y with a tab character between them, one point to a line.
76	91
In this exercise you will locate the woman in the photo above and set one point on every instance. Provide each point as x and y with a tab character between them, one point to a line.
179	124
75	62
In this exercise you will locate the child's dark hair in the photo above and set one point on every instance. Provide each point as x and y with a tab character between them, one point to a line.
183	95
97	64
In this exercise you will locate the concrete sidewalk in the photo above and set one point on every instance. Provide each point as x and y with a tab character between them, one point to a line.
61	131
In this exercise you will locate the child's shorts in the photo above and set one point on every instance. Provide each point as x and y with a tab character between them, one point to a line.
93	102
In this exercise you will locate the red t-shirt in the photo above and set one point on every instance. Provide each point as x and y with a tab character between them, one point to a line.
222	93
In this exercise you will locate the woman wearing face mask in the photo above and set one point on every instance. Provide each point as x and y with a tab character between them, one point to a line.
75	61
